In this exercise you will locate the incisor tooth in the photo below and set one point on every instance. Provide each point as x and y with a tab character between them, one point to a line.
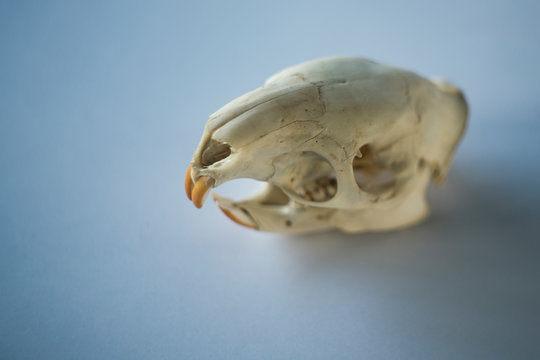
188	183
231	216
200	189
223	204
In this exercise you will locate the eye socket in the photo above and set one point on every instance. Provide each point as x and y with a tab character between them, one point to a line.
370	176
308	175
214	151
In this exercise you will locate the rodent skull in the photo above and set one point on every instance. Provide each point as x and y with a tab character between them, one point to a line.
341	143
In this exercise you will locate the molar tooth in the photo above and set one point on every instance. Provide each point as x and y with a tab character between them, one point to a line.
318	193
331	189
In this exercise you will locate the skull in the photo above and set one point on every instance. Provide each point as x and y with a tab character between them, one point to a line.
342	143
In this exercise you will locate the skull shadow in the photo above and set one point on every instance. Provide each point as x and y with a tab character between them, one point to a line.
472	210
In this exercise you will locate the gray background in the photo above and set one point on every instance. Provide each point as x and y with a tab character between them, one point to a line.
102	104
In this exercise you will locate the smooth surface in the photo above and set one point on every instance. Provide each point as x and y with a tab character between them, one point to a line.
103	257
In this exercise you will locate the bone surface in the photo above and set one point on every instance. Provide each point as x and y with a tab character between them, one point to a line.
341	143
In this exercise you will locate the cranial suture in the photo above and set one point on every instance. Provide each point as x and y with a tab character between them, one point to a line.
342	143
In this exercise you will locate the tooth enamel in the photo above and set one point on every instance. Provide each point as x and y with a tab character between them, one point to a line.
200	190
232	212
188	182
235	217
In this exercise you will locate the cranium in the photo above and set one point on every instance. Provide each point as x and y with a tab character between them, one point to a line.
342	143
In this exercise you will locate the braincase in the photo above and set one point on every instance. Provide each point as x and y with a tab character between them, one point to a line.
332	69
